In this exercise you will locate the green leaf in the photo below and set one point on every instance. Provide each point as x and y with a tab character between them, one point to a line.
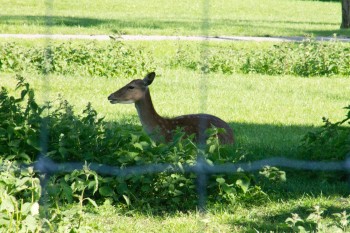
31	223
25	208
10	62
127	200
138	146
7	205
34	210
23	93
212	148
63	151
220	180
106	191
243	184
91	201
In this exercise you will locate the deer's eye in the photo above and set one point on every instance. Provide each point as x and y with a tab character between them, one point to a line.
131	87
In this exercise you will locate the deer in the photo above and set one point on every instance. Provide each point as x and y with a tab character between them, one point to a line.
159	128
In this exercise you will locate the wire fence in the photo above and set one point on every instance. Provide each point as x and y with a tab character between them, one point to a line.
201	168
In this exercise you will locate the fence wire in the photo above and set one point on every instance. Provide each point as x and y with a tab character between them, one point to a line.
201	168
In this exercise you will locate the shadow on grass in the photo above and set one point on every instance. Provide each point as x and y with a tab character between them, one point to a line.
266	140
304	187
276	222
330	33
118	26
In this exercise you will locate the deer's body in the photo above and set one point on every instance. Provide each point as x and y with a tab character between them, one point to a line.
137	92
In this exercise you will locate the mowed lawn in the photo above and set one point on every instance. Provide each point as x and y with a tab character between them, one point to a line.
162	17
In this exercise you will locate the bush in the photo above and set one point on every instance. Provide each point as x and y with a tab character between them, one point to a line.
89	59
332	142
309	58
306	59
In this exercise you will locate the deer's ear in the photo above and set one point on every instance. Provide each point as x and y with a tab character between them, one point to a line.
149	78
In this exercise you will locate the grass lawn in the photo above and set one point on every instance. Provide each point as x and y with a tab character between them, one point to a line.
268	217
248	18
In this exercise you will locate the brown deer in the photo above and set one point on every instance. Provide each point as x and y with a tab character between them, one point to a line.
157	127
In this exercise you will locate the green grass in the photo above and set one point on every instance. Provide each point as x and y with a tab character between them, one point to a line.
267	217
249	18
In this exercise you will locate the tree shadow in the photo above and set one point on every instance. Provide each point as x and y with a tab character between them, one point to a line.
51	20
267	140
276	222
322	0
284	141
117	26
330	33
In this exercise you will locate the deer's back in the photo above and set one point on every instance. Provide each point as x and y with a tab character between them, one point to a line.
198	123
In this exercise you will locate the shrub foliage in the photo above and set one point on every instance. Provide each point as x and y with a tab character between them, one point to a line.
90	59
116	59
306	59
332	142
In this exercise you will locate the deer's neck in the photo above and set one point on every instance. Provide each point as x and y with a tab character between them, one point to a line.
149	118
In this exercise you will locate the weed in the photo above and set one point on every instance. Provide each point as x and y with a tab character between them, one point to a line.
20	193
116	59
314	222
332	142
308	58
88	59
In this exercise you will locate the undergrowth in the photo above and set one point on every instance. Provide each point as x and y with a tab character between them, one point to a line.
306	59
117	59
331	142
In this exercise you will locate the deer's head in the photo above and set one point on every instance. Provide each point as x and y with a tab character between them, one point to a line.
133	91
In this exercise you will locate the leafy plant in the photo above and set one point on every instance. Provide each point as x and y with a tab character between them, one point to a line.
294	221
112	60
19	138
332	142
342	220
315	221
306	59
19	198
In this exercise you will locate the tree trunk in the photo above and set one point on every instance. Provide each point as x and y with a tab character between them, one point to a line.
345	6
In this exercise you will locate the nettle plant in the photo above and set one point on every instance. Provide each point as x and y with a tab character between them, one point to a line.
88	59
19	198
331	142
306	59
315	222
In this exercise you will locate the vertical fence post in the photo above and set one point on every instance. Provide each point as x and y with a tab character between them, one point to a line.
202	178
201	162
